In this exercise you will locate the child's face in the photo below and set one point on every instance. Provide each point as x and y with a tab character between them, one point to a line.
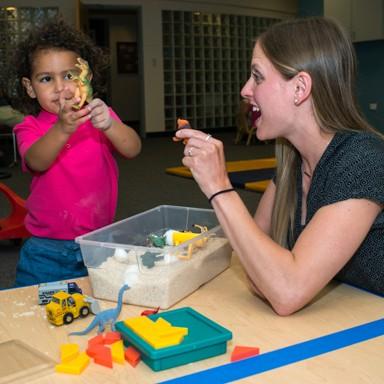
50	77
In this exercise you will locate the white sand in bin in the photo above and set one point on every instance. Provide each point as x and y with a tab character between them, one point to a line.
164	284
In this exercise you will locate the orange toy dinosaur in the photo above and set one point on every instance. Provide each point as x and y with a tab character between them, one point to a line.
182	123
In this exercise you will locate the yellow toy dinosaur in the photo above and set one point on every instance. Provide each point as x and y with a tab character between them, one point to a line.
83	80
174	238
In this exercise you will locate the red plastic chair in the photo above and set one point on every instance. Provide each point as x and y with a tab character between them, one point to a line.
12	226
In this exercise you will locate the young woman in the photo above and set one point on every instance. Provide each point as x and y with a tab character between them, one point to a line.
322	215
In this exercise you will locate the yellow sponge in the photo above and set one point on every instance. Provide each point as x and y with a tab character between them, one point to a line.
159	333
75	366
117	350
68	352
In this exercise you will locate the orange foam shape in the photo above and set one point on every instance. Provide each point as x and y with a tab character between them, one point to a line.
103	357
96	340
132	355
242	352
111	337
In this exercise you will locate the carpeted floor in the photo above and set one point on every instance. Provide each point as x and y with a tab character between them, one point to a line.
143	184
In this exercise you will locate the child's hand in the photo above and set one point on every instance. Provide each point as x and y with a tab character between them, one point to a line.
70	119
100	116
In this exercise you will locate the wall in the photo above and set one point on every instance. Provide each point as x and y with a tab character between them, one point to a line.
67	7
125	87
152	103
370	59
310	8
151	32
370	86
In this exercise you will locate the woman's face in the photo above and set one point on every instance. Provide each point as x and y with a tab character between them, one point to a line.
272	95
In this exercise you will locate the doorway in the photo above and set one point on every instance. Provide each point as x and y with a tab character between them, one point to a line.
118	31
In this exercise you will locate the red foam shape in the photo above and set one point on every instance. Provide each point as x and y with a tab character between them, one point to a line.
104	357
94	349
241	352
96	340
111	337
132	355
12	226
148	312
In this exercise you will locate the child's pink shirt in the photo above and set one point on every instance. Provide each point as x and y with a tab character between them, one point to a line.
78	193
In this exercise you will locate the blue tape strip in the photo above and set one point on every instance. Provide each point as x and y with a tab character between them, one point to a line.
281	357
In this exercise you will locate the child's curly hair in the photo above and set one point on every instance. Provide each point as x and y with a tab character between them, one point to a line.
56	34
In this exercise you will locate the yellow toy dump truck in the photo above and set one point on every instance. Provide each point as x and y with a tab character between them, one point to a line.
64	307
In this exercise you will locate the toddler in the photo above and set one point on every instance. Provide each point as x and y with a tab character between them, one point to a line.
68	151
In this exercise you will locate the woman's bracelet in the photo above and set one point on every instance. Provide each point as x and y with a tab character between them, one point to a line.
220	192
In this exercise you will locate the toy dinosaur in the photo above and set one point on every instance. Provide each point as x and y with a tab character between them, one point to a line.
83	81
104	317
175	238
149	259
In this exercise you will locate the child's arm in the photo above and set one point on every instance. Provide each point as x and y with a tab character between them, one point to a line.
43	153
124	138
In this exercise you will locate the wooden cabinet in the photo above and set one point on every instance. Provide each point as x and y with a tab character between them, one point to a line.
363	19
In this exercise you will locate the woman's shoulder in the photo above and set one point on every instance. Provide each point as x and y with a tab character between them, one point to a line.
357	145
353	153
352	168
361	139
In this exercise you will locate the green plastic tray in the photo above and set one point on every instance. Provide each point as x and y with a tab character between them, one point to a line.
205	339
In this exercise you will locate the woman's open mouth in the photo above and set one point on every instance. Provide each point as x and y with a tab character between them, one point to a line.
256	113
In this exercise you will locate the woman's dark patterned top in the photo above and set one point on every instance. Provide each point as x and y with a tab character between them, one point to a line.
352	167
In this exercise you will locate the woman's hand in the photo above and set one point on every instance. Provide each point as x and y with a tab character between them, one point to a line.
204	156
100	116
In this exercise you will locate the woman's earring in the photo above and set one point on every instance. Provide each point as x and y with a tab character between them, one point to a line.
296	100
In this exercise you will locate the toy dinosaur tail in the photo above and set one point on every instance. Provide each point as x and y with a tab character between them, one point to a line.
86	330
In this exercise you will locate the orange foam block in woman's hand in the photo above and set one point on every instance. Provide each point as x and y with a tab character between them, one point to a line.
182	123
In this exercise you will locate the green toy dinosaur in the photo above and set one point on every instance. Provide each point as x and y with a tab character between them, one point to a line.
104	317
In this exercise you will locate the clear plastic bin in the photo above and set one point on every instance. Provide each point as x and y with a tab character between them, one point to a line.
122	253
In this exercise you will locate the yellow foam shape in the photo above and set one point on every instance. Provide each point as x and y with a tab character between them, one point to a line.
162	324
159	333
75	366
68	352
117	351
174	331
144	325
165	328
138	322
163	342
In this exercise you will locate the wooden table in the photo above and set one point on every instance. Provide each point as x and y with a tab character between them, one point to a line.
226	300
